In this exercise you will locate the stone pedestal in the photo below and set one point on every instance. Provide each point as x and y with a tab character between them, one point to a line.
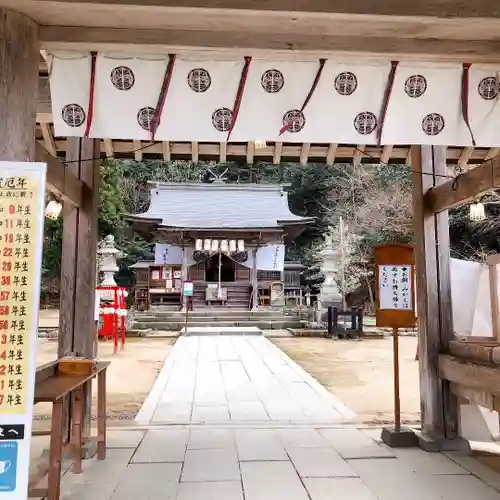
402	438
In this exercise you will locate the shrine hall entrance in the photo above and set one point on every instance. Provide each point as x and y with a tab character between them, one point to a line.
227	269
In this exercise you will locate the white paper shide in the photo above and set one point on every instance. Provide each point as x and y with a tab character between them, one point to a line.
395	287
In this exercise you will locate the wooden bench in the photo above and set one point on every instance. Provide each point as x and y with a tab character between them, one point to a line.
54	387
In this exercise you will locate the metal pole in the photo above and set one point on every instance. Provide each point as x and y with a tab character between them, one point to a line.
397	404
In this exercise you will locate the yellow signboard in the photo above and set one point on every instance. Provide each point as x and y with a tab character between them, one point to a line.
22	192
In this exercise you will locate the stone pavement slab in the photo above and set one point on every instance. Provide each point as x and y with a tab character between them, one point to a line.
345	488
272	481
259	445
352	443
211	465
162	446
319	462
221	490
214	439
153	481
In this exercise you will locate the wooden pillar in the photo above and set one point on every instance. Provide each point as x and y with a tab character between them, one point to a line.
78	269
19	58
434	308
77	328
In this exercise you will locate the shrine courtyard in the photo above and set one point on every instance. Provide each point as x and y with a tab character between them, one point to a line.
184	446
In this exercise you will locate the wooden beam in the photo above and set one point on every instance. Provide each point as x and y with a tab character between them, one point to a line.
358	154
108	148
250	152
194	152
278	148
385	157
304	154
166	150
482	8
432	261
60	180
477	396
48	139
223	152
138	152
106	38
469	374
330	156
408	161
465	156
472	183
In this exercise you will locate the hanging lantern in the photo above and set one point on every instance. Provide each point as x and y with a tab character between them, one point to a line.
232	246
476	212
207	245
241	245
53	210
198	245
224	246
215	245
260	144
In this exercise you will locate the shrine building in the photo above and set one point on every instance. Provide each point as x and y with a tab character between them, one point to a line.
229	240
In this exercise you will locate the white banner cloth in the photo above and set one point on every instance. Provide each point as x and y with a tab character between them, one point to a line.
424	106
470	293
271	258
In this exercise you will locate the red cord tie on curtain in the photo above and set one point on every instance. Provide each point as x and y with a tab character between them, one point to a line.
239	95
90	110
322	62
465	99
162	98
387	98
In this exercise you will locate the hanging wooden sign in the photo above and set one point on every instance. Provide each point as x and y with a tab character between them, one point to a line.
395	281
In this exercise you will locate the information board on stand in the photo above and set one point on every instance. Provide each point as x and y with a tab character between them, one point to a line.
22	194
395	279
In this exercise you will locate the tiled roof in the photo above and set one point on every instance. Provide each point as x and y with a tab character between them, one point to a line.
227	206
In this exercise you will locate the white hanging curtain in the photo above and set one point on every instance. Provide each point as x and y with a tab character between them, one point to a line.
271	258
168	255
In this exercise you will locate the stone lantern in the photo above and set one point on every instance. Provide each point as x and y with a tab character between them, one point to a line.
330	294
107	257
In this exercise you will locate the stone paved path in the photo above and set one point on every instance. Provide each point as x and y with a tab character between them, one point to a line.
232	418
236	379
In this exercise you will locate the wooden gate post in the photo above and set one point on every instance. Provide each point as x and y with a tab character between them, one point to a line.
19	59
434	309
77	332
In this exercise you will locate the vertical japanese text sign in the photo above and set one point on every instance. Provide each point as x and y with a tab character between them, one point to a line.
395	279
22	192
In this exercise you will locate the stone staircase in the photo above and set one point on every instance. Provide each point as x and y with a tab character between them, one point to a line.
238	296
142	323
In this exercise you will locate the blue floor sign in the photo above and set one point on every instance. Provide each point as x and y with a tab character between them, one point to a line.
8	465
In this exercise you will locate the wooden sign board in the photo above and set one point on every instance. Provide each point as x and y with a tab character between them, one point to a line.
395	281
